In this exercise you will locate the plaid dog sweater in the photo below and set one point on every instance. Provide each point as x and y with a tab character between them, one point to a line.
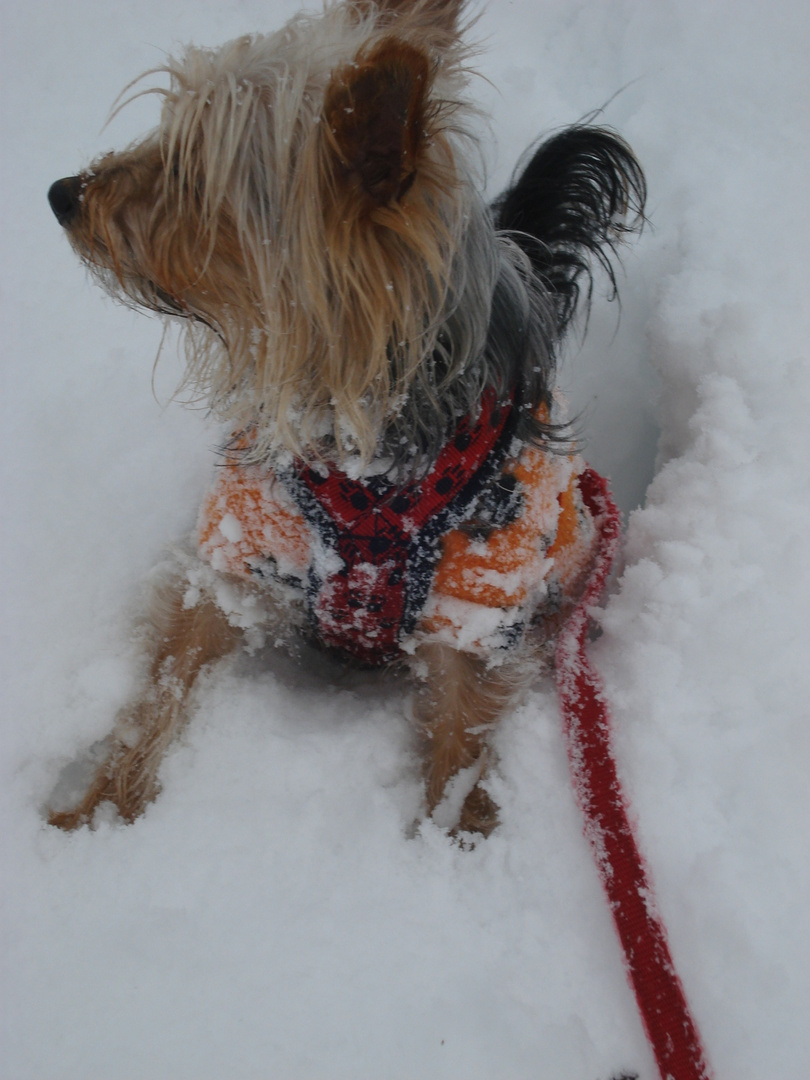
494	533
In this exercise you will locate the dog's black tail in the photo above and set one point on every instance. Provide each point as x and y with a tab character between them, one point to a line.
582	191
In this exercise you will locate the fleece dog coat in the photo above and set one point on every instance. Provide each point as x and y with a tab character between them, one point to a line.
494	533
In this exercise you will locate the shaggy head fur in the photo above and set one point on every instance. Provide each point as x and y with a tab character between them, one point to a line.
308	205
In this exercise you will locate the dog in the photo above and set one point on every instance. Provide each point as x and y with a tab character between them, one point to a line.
397	485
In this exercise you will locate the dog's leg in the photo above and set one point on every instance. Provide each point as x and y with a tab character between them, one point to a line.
458	705
186	639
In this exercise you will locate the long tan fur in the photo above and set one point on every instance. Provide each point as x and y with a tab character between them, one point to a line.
186	639
305	205
309	205
458	706
252	212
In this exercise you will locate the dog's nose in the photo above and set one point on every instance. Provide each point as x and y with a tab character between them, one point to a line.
64	197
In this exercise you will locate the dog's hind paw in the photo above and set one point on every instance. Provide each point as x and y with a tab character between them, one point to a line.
479	815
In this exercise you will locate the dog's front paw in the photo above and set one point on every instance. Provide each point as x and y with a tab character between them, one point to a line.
105	801
80	788
102	801
87	810
113	781
68	820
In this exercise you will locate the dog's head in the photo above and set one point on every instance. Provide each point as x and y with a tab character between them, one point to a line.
305	204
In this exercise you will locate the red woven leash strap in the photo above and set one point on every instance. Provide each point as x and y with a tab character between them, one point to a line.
586	718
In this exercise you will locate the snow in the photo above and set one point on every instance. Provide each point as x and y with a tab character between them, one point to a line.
275	913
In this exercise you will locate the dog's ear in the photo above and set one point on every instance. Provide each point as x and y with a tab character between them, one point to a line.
375	115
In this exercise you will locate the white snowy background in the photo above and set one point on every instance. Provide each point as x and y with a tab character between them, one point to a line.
269	916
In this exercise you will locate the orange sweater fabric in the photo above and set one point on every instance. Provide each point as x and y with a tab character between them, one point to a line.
482	582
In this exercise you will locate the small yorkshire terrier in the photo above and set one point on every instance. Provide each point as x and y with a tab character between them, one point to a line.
381	344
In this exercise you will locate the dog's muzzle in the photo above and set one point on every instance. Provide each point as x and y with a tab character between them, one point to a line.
65	198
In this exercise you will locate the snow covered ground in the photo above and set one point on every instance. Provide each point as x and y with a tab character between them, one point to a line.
269	917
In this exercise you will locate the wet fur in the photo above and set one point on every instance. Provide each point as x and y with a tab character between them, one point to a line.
309	206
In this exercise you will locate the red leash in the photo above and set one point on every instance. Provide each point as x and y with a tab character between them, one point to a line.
586	718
